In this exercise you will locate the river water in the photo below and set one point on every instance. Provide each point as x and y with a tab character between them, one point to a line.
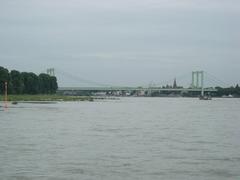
130	138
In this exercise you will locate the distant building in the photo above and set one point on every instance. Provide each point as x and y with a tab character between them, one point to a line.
175	83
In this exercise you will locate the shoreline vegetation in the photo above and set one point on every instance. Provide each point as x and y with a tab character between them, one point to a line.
28	86
21	83
45	98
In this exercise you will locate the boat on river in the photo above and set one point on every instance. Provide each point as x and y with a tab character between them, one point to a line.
205	97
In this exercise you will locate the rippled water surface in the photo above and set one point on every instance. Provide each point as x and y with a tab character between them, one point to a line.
130	138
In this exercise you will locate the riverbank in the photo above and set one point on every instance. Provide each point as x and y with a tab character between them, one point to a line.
46	98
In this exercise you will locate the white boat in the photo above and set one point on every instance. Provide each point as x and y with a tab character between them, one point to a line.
205	97
229	96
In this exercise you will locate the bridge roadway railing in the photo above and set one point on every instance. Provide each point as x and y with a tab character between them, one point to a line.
134	89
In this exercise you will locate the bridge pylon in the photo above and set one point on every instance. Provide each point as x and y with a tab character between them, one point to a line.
51	71
198	80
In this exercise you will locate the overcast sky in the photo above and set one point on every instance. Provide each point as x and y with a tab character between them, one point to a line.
122	42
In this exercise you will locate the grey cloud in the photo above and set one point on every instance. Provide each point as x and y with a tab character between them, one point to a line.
147	40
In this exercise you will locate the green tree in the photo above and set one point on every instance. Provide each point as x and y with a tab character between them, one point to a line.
53	84
17	84
4	77
44	83
47	84
27	82
31	83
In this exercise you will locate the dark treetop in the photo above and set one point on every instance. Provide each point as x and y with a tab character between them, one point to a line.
27	82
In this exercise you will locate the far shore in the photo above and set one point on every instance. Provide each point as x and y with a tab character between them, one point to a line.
45	98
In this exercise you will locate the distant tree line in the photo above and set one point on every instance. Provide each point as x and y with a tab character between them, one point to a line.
235	91
27	82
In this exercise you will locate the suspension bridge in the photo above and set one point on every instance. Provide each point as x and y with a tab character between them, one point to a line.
197	85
